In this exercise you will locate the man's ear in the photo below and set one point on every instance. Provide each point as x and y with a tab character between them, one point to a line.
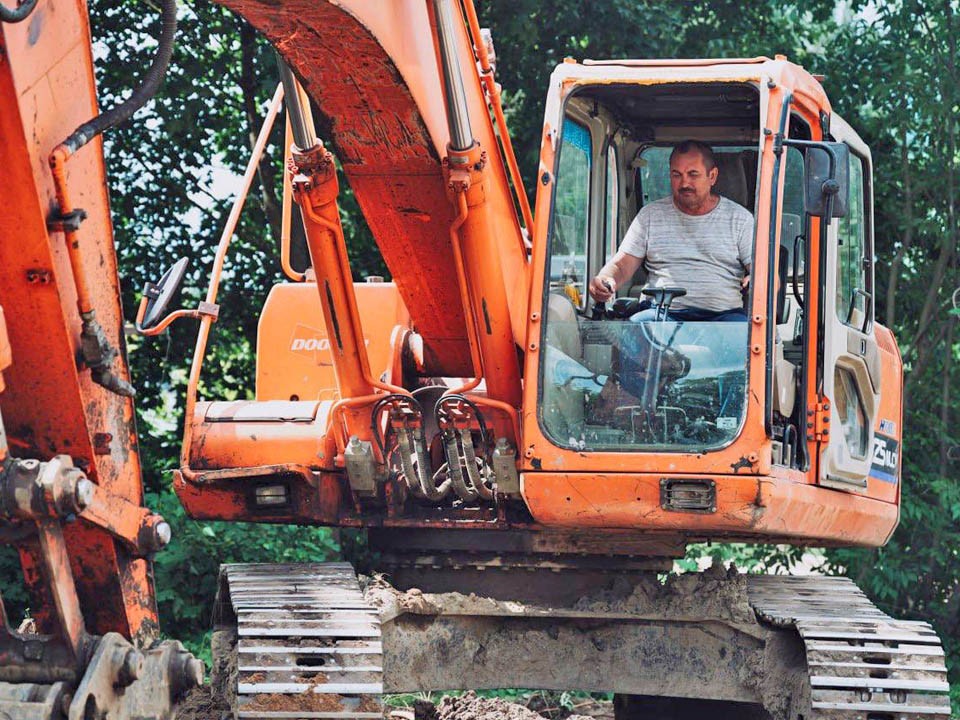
713	175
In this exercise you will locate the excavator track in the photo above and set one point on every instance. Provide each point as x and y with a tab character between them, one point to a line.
308	644
863	664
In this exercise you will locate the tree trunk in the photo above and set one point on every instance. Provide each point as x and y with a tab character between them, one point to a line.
906	241
266	171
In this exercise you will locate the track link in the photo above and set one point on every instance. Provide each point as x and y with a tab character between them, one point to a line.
863	664
308	644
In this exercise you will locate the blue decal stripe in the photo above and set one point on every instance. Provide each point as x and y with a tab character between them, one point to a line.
882	475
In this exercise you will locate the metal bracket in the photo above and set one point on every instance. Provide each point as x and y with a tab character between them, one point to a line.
70	222
504	462
211	310
161	676
818	422
361	467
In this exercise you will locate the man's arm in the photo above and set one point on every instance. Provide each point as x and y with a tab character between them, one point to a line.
620	269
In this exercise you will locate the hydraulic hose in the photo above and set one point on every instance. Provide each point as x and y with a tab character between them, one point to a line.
148	88
97	352
20	14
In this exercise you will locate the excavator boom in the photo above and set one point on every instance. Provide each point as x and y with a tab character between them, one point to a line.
71	498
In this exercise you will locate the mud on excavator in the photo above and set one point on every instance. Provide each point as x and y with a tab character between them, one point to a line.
526	465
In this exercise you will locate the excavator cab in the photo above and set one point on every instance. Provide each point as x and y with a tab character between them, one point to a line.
791	394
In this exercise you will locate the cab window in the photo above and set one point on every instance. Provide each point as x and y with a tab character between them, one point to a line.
612	234
568	247
853	295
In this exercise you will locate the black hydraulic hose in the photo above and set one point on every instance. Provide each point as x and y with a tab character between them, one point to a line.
148	88
20	14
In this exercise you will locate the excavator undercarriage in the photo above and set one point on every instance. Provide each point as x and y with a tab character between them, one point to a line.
315	641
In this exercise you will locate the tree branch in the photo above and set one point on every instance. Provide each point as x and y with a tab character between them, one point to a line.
266	171
906	241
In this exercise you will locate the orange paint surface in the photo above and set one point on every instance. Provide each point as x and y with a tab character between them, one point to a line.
752	508
293	350
50	406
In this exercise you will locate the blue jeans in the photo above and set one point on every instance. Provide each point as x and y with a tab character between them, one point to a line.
692	315
635	349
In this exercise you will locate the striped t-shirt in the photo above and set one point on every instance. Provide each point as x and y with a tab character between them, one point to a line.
707	255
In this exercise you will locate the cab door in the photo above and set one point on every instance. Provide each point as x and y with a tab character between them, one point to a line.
851	360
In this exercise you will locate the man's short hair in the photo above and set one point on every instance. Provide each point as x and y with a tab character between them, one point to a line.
689	146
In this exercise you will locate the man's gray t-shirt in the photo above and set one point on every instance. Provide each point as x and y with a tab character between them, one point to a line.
708	255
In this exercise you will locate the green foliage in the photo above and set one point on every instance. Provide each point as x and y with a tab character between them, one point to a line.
12	589
777	559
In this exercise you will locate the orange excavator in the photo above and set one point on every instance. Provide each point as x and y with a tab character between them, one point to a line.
71	498
526	463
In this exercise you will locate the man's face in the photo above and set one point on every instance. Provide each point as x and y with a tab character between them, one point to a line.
691	183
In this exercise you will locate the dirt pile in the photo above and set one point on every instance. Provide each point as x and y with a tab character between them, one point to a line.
471	707
203	704
716	593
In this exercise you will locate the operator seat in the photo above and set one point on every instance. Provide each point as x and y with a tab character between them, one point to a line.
563	332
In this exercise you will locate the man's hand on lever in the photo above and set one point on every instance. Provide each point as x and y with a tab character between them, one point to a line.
603	288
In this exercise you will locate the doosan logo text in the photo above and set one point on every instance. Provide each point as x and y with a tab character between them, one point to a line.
310	344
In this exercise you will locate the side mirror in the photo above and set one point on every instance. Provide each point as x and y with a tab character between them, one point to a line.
820	183
157	297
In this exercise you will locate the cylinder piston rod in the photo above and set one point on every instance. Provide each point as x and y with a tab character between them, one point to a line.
298	108
458	118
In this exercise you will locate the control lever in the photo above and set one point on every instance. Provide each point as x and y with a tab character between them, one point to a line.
662	298
600	310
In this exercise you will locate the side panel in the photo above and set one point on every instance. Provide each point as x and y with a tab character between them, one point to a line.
747	508
293	351
49	406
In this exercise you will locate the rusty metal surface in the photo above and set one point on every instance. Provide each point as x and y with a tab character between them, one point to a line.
50	406
25	701
124	683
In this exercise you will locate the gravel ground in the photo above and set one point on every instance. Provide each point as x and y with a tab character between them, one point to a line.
200	704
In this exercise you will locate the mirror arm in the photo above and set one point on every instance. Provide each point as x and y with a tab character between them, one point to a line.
203	309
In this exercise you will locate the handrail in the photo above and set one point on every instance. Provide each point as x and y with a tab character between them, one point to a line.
206	321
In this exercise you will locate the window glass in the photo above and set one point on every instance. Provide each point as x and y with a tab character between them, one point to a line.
652	386
613	204
853	417
630	386
851	234
654	172
568	246
792	219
